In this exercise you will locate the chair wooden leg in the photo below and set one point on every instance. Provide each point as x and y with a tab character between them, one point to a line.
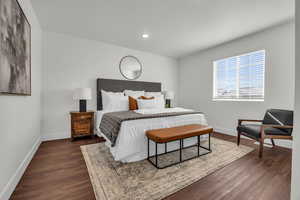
273	143
238	138
261	147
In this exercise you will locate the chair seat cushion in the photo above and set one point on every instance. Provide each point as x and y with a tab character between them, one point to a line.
253	130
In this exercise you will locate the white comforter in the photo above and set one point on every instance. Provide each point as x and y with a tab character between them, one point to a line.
131	144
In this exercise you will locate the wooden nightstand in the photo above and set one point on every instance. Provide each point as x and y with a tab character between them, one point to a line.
82	124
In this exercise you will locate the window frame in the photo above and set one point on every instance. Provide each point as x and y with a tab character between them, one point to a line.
214	96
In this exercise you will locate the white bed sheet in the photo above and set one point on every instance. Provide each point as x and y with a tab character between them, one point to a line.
131	144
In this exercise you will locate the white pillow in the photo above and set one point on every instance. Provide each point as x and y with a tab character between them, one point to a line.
156	103
160	101
153	94
112	93
134	94
114	101
147	104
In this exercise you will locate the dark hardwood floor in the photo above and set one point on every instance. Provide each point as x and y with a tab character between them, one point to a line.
58	172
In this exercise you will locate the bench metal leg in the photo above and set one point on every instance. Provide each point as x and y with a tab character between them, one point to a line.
209	141
148	148
181	147
180	151
156	154
198	144
166	147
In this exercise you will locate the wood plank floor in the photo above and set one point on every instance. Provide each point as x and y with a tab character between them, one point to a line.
58	172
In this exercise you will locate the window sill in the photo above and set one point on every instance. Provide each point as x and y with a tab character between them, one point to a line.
251	100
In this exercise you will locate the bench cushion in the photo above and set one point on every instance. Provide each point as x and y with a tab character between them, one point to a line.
176	133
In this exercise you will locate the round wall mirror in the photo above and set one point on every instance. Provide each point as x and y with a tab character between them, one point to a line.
130	67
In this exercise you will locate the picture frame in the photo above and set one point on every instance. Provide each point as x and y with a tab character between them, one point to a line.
15	49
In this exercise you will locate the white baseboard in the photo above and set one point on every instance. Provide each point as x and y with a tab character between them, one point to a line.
55	136
233	132
58	135
14	180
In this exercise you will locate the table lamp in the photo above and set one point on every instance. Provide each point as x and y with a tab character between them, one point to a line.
169	95
82	94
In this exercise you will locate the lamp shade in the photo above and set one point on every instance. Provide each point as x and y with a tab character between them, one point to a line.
169	95
83	93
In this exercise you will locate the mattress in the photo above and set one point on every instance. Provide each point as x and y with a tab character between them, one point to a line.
131	144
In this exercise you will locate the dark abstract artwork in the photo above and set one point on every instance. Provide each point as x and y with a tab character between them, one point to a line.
15	50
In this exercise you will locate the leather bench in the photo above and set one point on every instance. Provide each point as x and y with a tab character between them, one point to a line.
180	133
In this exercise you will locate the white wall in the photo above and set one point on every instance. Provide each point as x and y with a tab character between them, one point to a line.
196	78
21	116
295	194
71	62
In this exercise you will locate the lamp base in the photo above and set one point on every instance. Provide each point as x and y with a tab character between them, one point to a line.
82	105
168	103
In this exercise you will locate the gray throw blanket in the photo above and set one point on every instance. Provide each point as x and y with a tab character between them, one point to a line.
111	122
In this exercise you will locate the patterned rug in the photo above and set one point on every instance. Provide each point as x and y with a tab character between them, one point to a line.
113	180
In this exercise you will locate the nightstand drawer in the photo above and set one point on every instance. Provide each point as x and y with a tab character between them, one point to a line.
82	117
82	123
82	127
81	132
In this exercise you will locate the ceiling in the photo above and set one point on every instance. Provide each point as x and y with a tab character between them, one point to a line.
176	27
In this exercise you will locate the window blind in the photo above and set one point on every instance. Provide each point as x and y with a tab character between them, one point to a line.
240	77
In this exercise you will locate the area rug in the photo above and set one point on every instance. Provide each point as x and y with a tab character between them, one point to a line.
113	180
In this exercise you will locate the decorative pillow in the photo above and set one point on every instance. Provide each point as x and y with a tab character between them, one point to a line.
134	94
132	103
147	104
155	103
114	101
146	98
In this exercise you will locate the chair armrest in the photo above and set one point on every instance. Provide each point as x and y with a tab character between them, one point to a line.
248	120
275	126
263	126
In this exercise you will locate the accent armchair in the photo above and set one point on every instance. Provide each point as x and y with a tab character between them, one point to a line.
277	124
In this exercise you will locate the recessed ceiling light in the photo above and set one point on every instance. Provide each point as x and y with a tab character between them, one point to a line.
145	36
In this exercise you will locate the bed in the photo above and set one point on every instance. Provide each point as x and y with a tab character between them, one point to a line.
131	143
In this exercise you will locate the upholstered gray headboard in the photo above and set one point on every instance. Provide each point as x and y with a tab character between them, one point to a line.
114	85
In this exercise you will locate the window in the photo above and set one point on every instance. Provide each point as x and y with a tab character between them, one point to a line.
240	77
